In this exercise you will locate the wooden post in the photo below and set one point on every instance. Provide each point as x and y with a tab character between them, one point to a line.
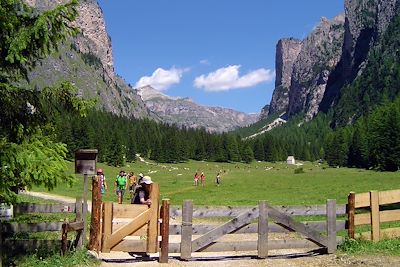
351	210
107	226
186	236
64	238
96	211
152	230
331	225
375	219
78	212
85	207
164	231
262	244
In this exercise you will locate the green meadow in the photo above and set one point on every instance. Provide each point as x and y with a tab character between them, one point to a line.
246	184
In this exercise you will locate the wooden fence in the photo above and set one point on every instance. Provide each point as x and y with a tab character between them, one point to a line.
206	237
8	229
373	208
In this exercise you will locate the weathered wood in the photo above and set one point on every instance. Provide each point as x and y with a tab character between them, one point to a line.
128	211
64	238
75	226
128	245
152	230
361	200
351	210
131	227
107	226
25	246
78	218
140	232
389	197
228	227
331	225
186	239
288	222
164	231
375	221
85	208
262	242
12	228
199	229
43	208
229	211
385	216
384	234
96	211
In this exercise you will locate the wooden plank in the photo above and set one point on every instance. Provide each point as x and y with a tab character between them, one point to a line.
64	239
107	226
12	228
25	246
75	226
186	239
164	231
229	211
361	200
385	216
84	208
140	232
129	210
228	227
129	228
389	197
199	229
375	220
296	226
78	211
43	208
127	245
331	225
152	231
351	210
384	234
262	242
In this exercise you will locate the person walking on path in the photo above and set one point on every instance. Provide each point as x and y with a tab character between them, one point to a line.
203	178
218	179
121	184
102	180
196	179
132	182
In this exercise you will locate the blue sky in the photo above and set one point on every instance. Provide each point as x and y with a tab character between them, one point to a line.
217	52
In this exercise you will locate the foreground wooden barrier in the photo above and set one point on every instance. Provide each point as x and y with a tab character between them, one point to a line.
375	202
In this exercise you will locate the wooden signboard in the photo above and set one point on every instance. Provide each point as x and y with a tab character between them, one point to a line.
85	161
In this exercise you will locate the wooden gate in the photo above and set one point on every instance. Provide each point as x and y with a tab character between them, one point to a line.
264	212
131	227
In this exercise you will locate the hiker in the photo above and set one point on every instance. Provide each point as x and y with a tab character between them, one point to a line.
218	179
202	177
132	182
102	180
140	178
196	179
121	184
142	193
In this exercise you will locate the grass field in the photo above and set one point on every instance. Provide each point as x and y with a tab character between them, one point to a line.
246	184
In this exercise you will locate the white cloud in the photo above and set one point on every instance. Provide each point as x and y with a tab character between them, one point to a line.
228	78
162	79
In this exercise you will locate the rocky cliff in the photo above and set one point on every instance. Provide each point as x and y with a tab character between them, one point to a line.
287	51
185	112
87	61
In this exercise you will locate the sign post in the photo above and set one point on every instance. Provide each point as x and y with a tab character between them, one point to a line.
85	163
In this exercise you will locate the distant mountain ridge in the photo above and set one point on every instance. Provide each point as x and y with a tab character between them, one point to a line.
185	112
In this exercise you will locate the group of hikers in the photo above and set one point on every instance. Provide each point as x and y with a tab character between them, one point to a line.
202	179
139	189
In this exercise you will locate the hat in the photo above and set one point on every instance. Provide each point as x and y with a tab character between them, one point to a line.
140	174
146	180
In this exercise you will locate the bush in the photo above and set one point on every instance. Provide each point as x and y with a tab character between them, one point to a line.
298	170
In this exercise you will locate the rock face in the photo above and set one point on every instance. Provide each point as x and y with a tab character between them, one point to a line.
87	61
319	55
184	112
287	51
366	20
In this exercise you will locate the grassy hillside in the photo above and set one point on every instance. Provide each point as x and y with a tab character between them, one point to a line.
246	184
